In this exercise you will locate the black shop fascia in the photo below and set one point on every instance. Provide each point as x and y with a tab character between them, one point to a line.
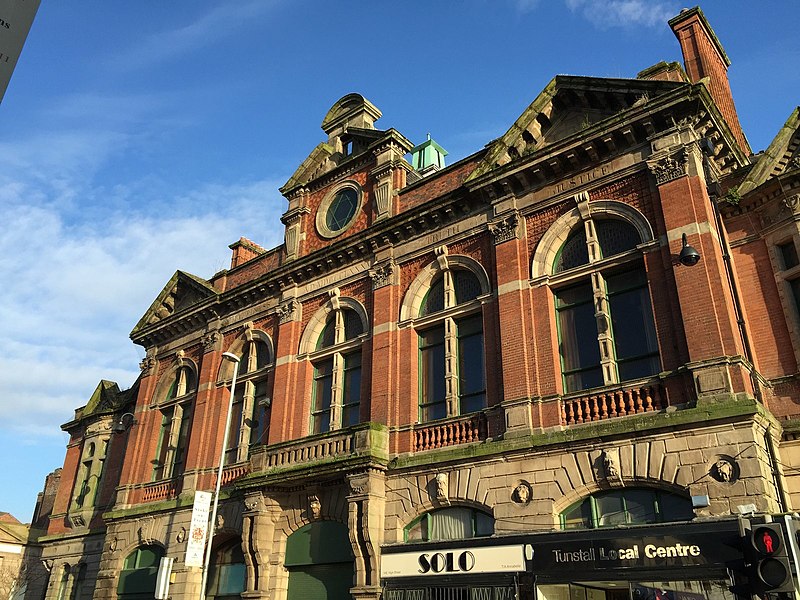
694	551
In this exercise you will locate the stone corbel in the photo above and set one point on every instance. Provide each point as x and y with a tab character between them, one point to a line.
149	362
670	166
441	258
505	229
212	341
384	274
334	295
289	311
314	507
610	467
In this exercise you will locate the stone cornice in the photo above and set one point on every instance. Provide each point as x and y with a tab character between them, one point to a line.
629	129
425	219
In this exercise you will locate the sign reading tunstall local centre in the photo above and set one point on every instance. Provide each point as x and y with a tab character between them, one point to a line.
196	544
459	561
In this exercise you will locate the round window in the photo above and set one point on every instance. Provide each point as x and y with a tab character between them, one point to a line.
338	211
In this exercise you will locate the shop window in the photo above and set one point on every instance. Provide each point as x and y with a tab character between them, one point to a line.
137	581
451	383
336	392
455	523
603	312
251	409
227	573
626	507
175	407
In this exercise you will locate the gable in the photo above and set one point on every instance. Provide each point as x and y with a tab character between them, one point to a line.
567	106
782	155
181	292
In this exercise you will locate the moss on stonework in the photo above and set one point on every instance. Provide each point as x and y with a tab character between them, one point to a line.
718	408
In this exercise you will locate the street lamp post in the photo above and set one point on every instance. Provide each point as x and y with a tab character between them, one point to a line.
235	360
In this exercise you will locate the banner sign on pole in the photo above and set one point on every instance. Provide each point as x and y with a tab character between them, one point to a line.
16	18
196	544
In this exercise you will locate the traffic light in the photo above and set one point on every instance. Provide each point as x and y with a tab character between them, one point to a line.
769	570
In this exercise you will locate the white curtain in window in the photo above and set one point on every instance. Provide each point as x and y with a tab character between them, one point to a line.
453	524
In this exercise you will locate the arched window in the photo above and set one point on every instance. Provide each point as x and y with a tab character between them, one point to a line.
90	474
250	418
79	583
629	506
336	393
452	373
454	523
319	559
63	583
227	573
604	315
137	580
176	421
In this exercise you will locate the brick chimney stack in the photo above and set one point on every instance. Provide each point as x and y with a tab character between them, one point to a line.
704	56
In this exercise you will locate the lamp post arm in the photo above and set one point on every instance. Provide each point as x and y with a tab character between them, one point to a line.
220	468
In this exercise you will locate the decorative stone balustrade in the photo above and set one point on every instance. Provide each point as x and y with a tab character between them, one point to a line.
233	472
461	430
159	490
612	403
364	440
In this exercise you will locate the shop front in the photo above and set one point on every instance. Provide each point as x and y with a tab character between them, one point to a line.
687	561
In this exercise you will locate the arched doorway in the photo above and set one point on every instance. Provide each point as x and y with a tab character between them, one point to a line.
320	562
227	573
137	581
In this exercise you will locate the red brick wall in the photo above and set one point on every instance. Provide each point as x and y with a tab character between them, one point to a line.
702	59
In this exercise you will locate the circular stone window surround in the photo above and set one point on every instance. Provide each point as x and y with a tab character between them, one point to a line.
326	204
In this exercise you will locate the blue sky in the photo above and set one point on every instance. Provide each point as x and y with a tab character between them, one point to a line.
137	138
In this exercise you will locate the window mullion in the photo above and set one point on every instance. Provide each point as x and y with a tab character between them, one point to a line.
604	335
244	429
337	390
172	445
451	366
181	387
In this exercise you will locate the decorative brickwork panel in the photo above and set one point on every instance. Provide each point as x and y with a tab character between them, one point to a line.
254	269
539	222
437	185
635	191
313	240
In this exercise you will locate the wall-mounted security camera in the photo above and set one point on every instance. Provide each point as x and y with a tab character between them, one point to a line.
688	257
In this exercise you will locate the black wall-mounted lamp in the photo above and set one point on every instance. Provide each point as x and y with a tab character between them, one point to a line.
688	257
120	426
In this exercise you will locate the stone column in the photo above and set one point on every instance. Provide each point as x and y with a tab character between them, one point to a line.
288	411
713	341
514	312
366	520
258	531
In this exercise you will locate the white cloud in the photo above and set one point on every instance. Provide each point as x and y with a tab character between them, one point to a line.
217	24
624	13
526	5
77	292
82	259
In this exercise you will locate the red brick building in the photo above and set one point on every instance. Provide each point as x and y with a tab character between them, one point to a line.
450	377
